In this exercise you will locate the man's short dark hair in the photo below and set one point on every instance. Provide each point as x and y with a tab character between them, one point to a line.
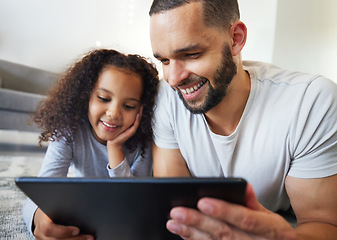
218	13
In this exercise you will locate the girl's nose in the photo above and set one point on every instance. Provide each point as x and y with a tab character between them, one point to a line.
113	112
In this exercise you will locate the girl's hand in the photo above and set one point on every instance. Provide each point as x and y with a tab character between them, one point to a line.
124	136
46	229
115	146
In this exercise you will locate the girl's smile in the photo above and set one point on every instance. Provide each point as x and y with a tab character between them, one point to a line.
109	127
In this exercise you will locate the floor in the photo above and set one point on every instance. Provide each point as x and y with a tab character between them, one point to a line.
19	156
16	143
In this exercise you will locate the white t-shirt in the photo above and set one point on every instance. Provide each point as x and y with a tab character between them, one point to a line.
288	127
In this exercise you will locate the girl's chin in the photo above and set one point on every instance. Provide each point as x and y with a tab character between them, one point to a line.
109	139
103	136
104	139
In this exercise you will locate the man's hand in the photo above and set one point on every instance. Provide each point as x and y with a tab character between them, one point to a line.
220	220
46	229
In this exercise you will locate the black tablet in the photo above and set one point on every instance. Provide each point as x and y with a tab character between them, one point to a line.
125	208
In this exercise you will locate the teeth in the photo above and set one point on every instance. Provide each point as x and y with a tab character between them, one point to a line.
108	125
192	89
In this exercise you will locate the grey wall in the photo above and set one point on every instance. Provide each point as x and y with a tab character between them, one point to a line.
306	36
299	35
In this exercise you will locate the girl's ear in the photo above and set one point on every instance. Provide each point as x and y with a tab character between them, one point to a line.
238	34
141	110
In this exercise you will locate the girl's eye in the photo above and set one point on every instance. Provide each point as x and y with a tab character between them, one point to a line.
129	107
103	99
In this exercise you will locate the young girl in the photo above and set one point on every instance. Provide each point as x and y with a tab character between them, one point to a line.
98	121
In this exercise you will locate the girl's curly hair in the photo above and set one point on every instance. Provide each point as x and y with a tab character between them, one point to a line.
66	105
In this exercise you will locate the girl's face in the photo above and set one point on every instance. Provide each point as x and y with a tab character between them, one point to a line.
114	103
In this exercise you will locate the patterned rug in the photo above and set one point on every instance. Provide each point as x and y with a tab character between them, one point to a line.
11	198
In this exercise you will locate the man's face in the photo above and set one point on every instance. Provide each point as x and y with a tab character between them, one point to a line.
221	79
196	59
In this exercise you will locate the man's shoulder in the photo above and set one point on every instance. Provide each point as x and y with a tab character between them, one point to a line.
166	94
164	86
262	72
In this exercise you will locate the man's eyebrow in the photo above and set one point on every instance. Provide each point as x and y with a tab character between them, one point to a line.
156	55
180	50
187	48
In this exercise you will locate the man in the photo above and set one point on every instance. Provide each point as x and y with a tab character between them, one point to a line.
218	116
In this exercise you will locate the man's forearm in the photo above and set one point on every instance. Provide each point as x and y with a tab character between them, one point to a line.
316	230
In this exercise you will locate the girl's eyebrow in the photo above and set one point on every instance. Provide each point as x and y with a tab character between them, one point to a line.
107	91
104	90
133	99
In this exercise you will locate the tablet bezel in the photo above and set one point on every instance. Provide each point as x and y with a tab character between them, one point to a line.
130	208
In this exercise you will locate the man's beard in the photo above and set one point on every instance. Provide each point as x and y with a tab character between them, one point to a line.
222	78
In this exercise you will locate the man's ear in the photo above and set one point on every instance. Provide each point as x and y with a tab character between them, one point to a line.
238	34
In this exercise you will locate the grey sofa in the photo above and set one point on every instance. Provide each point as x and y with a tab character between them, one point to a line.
21	89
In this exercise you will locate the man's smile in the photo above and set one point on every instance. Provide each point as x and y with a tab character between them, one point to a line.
191	89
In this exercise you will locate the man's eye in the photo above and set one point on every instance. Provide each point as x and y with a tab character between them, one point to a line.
103	99
193	55
164	61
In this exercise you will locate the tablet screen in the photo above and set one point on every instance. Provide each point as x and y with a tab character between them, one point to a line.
125	208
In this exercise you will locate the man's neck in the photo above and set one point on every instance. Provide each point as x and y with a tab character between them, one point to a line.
225	117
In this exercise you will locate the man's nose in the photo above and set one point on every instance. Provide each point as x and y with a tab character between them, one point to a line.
175	72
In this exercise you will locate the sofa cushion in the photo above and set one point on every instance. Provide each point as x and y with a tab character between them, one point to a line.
19	121
19	101
24	78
